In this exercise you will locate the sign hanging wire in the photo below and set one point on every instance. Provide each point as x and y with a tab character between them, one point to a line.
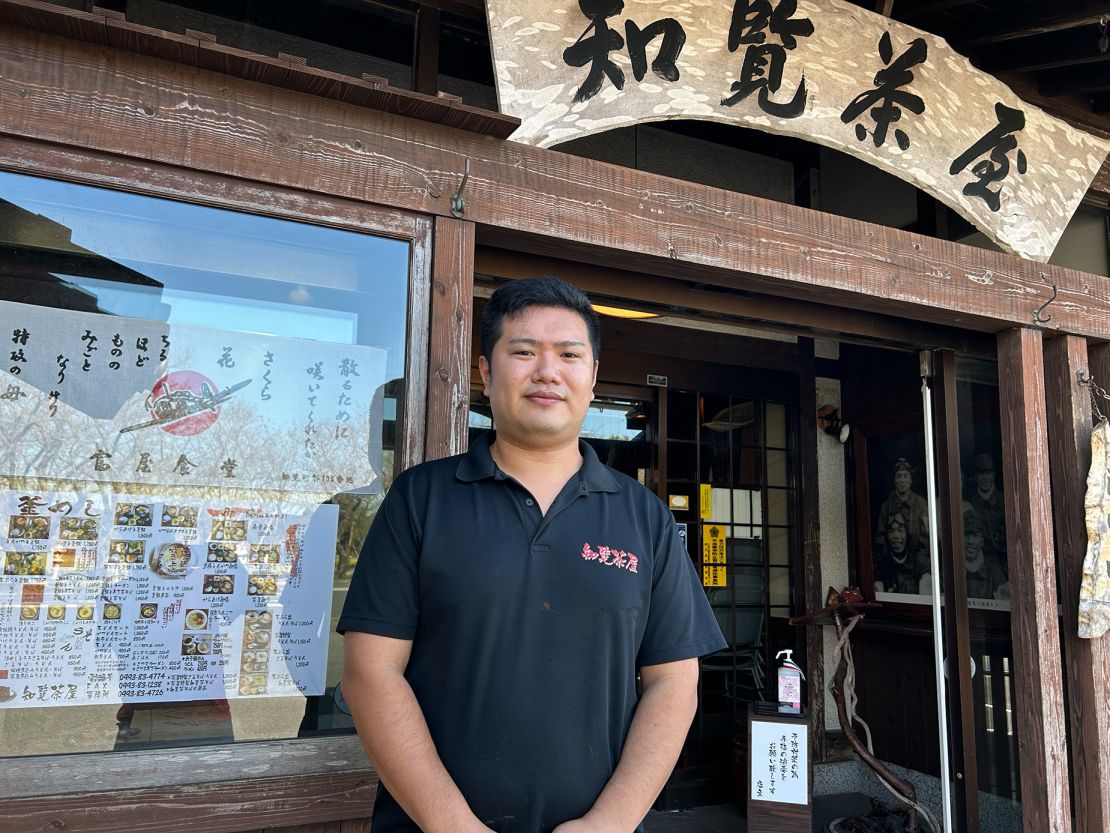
1084	378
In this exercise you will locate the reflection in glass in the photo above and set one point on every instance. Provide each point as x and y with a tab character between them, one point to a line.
229	382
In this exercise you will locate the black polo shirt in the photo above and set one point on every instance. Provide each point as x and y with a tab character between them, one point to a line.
527	629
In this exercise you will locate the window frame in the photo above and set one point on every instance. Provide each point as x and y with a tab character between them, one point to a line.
289	777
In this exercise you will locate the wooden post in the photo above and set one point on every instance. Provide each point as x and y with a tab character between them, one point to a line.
810	527
1038	668
1069	445
449	341
425	51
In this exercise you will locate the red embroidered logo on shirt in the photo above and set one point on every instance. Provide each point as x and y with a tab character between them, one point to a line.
611	557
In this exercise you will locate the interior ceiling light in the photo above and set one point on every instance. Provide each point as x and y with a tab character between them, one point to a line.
621	312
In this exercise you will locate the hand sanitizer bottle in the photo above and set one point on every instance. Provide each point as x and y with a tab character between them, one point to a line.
790	684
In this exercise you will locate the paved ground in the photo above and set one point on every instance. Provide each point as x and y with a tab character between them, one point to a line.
721	818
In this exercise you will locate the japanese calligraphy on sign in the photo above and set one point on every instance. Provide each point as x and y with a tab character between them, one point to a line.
111	399
779	762
827	71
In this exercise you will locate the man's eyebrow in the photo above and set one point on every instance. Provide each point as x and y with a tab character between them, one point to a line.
534	341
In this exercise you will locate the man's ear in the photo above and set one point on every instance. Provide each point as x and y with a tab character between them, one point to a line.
593	384
484	372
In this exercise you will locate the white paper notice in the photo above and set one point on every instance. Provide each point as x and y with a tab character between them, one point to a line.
112	399
110	597
780	771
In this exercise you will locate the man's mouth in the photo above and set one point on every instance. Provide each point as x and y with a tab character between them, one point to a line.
544	397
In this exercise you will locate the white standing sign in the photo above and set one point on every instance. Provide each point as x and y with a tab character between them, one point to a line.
779	762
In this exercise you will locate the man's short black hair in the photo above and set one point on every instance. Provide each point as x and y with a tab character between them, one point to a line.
514	298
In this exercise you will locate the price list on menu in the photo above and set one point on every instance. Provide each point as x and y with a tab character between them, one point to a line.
122	598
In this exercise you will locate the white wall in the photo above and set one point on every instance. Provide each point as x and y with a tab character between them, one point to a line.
833	517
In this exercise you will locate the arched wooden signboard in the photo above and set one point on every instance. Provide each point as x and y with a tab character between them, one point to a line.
823	70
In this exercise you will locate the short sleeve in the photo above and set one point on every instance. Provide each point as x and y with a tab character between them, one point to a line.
383	598
680	621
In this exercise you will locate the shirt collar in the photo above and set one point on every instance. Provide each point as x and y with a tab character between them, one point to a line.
477	464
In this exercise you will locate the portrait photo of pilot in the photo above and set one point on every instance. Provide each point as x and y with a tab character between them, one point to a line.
900	547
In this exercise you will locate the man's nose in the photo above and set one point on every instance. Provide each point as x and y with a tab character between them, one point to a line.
547	368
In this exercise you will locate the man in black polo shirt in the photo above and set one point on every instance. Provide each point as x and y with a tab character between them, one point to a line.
505	599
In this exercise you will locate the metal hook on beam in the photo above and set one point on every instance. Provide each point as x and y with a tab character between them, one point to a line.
1038	314
458	204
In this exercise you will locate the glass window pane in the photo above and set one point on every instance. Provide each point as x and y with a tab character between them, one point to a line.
780	587
778	468
779	503
682	461
203	410
776	425
682	414
779	546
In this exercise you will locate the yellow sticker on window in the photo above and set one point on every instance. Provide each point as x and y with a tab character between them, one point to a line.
706	499
713	544
714	575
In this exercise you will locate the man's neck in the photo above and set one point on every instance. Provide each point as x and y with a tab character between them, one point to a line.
528	465
986	494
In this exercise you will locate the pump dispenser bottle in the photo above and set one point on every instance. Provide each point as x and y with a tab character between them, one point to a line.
790	684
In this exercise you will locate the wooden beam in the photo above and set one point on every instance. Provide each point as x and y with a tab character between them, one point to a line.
1038	670
776	314
425	52
470	9
1087	660
1073	47
884	7
201	50
813	587
233	805
923	9
1041	20
449	348
1093	78
77	95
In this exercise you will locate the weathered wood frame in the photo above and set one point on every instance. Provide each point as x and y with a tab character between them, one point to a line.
97	113
83	95
297	781
1038	667
1086	660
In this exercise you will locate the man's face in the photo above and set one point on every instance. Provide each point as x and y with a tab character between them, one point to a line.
984	479
896	538
973	548
902	482
540	378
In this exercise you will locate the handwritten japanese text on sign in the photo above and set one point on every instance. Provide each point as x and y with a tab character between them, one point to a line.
824	70
111	399
779	762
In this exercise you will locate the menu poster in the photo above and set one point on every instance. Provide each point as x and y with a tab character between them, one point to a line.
108	598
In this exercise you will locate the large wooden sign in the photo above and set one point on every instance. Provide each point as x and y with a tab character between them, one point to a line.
823	70
1094	591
